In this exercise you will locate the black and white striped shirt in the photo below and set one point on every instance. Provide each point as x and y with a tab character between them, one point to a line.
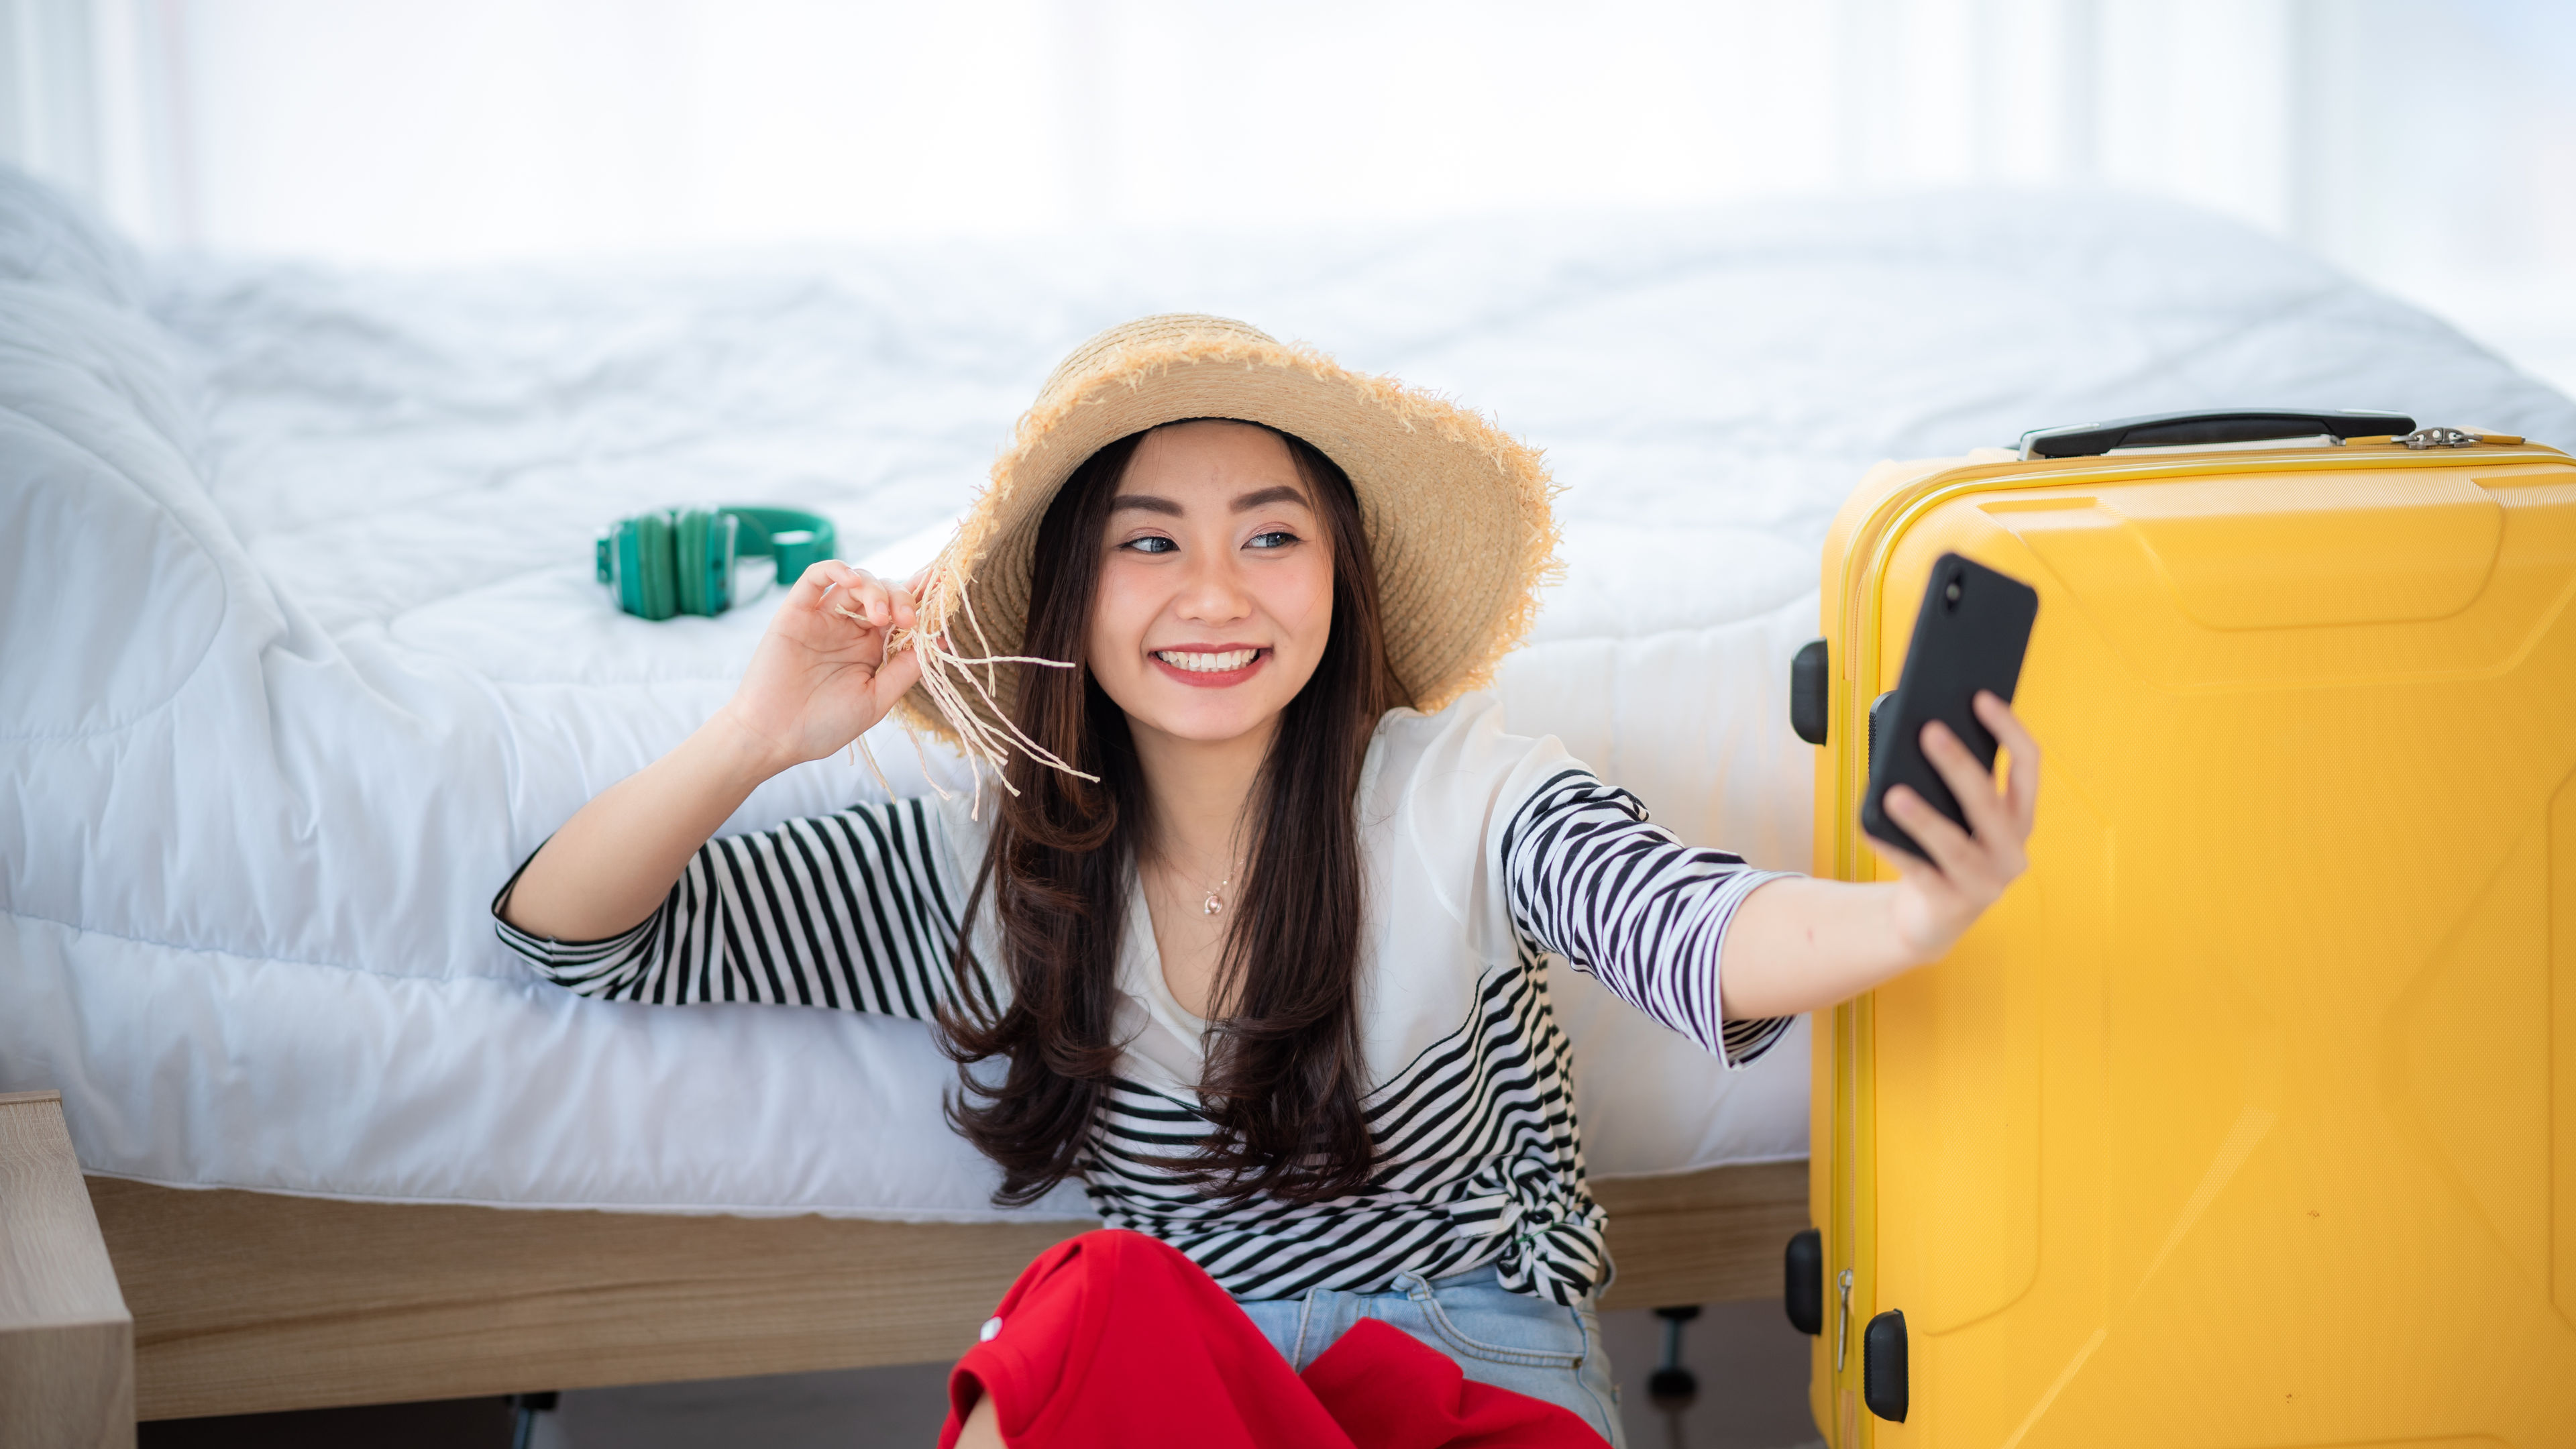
1487	853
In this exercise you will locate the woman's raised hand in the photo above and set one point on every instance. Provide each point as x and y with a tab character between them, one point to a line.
1936	901
820	677
818	680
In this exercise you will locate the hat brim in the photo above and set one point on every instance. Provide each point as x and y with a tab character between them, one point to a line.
1458	514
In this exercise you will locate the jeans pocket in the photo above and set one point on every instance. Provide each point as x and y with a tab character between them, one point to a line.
1533	1357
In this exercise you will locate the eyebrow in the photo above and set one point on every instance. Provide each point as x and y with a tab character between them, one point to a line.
1258	497
1275	493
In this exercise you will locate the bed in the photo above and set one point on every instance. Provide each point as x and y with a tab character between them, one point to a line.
303	653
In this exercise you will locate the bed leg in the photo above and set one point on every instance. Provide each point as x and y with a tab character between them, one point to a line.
1672	1385
66	1340
524	1409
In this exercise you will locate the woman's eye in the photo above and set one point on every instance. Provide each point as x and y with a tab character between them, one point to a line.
1151	543
1274	538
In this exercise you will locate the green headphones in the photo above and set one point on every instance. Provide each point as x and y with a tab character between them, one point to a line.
680	560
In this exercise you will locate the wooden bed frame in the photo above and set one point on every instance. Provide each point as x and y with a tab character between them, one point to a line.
244	1302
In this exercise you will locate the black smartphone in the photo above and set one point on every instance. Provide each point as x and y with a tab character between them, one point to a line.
1970	636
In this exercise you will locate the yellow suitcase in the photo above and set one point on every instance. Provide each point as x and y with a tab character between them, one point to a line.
2247	1118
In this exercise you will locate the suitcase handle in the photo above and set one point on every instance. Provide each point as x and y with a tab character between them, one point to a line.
2200	430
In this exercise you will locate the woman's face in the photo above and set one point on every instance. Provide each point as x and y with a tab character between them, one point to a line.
1216	583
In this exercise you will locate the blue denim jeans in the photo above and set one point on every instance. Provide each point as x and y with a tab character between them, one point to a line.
1506	1339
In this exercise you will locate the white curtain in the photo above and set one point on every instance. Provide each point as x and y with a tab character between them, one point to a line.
2429	144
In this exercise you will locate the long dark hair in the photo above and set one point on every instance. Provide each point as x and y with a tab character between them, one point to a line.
1284	1073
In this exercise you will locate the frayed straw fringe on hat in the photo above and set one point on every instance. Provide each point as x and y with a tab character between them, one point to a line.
1457	512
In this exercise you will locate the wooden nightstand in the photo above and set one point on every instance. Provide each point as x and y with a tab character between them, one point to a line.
66	1341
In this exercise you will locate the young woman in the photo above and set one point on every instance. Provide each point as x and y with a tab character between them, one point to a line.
1257	928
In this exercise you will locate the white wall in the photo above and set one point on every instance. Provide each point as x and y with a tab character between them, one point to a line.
2428	144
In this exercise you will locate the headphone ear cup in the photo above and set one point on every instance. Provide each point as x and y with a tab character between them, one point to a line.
702	549
724	537
689	558
620	567
656	592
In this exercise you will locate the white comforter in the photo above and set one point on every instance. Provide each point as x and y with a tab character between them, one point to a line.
300	652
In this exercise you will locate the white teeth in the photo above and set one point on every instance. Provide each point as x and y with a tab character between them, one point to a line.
1207	663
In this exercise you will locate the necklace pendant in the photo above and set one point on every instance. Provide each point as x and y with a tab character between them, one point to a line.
1211	905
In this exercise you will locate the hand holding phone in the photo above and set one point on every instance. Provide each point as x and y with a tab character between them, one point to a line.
1969	636
1957	841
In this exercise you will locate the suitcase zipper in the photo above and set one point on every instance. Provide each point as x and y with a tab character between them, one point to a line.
1842	1320
2423	438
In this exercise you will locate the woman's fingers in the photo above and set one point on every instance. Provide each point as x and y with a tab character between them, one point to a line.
912	591
820	578
2021	787
1969	781
858	592
894	676
1960	874
1949	848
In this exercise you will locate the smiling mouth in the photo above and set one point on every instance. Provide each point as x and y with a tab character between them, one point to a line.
1223	661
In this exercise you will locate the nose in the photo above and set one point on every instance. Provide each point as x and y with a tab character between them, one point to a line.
1213	592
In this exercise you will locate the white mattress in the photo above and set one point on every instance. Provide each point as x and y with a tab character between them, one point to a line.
301	652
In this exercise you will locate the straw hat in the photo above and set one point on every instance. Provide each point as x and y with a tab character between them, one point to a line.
1456	511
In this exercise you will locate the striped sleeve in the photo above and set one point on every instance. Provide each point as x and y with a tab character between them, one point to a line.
850	911
1627	903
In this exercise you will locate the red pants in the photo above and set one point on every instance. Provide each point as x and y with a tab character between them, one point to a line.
1113	1338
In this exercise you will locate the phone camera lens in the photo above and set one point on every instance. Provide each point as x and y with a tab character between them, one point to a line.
1951	593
